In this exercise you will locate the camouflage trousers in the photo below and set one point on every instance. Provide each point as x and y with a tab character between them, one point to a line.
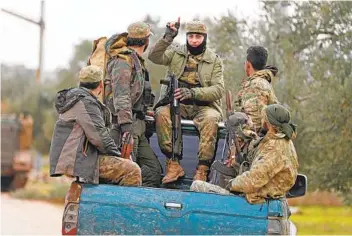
205	118
143	154
202	186
119	171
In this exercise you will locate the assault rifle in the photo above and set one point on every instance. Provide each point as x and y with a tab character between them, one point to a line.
175	116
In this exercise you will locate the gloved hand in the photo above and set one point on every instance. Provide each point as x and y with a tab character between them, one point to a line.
184	94
171	31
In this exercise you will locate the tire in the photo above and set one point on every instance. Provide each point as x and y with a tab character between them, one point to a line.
6	183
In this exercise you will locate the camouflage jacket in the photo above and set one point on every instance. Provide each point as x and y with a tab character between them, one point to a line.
80	135
273	171
210	70
127	74
256	92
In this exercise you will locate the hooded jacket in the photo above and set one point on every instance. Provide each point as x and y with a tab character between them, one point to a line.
273	170
80	135
210	70
256	93
129	80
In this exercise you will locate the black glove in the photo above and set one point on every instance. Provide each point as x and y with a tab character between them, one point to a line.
185	94
169	33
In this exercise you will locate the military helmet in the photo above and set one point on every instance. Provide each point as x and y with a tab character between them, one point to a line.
90	74
139	30
196	27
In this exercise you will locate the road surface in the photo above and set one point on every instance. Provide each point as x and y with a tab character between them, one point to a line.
19	217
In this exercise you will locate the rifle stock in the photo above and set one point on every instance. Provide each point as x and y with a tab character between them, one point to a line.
234	150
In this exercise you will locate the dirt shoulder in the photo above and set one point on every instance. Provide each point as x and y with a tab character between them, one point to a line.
29	217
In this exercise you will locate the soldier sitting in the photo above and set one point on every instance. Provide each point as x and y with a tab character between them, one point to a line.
274	168
256	91
200	75
81	145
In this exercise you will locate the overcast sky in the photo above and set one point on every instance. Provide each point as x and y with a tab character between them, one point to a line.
70	21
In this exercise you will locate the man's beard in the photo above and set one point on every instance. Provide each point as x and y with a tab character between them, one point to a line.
199	49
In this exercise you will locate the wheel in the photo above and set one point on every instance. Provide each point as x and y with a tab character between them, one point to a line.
6	183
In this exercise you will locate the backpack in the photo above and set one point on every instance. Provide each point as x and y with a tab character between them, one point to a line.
100	55
103	50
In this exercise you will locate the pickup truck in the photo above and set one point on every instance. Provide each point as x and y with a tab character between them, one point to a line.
174	209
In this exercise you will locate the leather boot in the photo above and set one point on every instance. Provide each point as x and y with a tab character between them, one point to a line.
202	173
167	165
173	172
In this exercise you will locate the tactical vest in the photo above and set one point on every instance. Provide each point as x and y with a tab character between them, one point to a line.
144	100
190	79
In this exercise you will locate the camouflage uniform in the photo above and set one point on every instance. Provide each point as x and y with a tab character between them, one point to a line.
256	92
81	145
130	96
120	171
203	75
239	127
272	173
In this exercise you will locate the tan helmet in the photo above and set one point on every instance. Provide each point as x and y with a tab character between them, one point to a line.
196	27
139	30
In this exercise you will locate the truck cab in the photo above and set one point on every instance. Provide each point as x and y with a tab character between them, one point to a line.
16	162
173	208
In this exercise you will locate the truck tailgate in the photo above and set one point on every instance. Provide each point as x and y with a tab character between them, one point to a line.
111	209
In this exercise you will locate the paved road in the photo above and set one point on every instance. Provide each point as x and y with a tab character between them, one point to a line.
19	217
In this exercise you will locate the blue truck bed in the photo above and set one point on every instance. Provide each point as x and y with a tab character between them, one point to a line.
111	209
107	209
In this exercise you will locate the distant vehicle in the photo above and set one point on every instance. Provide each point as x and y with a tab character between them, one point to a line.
16	163
174	209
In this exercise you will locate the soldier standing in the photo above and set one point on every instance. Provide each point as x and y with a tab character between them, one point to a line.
130	97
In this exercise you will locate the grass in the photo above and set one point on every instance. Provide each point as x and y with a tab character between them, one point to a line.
323	220
52	192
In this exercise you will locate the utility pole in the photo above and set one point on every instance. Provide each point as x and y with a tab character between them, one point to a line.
41	25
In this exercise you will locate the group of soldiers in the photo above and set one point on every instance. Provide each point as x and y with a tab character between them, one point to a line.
88	134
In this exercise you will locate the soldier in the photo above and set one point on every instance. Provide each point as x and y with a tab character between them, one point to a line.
274	168
131	96
256	90
81	144
200	75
